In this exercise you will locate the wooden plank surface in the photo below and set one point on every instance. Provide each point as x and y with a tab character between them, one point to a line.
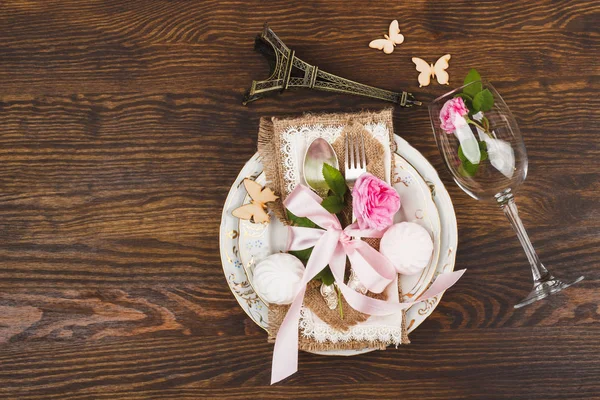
121	130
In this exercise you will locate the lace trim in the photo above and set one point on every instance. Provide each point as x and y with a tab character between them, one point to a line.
291	168
323	332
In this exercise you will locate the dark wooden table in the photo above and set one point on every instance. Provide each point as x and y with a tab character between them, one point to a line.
122	129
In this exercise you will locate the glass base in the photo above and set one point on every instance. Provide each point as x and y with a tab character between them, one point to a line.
543	289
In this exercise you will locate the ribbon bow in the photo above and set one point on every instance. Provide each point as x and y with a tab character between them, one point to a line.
331	246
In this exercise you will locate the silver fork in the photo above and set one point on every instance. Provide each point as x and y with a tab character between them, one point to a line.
355	158
356	165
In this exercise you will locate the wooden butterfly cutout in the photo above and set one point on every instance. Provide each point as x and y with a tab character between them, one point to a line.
428	71
256	210
391	40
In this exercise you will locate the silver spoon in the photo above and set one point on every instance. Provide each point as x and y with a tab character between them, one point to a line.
318	153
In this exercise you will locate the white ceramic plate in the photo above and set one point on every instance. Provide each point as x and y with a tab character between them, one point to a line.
230	236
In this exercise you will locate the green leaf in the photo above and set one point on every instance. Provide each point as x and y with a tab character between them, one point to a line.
302	255
300	221
473	89
466	167
333	204
472	76
461	155
483	151
464	96
325	276
483	101
335	180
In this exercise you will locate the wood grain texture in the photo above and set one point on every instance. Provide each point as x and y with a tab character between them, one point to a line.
442	364
121	130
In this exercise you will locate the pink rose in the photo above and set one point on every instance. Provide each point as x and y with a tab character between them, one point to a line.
452	114
374	202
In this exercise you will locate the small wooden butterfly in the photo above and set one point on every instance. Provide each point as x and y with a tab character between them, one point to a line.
390	41
256	210
428	71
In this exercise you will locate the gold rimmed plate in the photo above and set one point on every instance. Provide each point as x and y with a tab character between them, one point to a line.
414	165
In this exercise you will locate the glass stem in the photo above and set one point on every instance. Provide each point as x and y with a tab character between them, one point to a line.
507	203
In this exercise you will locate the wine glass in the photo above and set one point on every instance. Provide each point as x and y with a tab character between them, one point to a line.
482	146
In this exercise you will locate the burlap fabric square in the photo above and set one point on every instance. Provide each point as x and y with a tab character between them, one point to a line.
281	144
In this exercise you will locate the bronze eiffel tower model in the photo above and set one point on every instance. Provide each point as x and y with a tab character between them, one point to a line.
289	72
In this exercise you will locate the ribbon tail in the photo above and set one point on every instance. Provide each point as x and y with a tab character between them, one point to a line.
369	305
442	282
373	306
285	353
373	269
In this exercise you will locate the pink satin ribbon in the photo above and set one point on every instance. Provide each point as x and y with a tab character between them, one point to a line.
331	246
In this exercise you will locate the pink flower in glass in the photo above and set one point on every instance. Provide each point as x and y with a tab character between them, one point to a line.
452	113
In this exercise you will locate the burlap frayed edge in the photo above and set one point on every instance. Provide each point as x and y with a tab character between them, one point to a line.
363	117
270	155
404	333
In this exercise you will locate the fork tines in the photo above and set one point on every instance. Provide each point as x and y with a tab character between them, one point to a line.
355	158
355	155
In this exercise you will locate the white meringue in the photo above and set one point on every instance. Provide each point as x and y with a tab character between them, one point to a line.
408	246
277	278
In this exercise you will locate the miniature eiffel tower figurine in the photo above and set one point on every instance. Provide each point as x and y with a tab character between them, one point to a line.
288	71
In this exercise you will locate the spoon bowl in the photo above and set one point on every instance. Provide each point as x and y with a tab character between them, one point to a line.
319	152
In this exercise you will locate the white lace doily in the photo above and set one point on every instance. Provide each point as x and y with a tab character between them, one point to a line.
321	332
295	140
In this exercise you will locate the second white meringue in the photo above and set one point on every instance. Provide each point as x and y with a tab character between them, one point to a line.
408	246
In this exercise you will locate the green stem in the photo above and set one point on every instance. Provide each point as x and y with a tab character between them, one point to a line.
470	121
340	302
